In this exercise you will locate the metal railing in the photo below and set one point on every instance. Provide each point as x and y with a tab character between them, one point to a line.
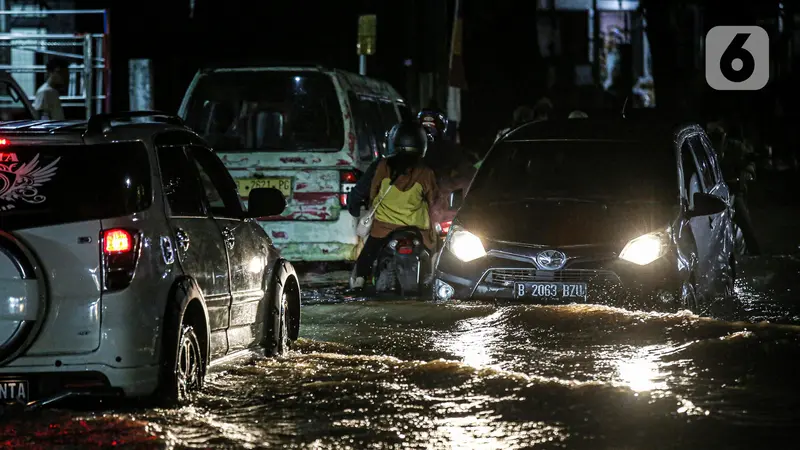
90	65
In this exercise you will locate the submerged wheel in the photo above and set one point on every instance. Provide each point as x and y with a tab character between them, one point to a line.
386	278
189	366
182	378
283	324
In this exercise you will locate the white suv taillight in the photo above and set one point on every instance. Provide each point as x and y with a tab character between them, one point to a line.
120	248
347	181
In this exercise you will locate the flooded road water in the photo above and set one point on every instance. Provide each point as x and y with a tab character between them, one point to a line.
409	374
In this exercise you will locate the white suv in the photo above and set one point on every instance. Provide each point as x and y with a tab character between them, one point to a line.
127	262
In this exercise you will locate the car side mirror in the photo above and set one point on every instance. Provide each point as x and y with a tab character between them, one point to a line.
706	205
263	202
456	199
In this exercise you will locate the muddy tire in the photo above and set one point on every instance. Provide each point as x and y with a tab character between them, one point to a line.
407	281
386	279
181	385
283	320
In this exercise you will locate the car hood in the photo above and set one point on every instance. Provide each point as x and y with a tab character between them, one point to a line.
565	223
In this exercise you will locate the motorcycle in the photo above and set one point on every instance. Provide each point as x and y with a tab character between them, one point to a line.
403	264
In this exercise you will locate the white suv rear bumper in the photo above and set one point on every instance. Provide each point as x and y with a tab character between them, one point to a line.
133	381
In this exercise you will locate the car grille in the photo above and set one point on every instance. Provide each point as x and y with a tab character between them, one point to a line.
504	276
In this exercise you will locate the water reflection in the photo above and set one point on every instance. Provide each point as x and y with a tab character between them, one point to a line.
370	374
641	374
476	340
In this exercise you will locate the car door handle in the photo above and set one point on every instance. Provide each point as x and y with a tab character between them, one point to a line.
182	238
230	240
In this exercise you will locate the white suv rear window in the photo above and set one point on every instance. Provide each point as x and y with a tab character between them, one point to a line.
50	184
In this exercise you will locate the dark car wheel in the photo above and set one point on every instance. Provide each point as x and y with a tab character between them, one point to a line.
189	376
283	324
181	385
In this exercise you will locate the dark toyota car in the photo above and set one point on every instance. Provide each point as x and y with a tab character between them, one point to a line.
573	210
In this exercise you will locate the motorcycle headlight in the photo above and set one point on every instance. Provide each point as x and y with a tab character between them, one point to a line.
645	249
465	245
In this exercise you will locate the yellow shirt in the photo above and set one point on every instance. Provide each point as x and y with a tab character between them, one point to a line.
405	208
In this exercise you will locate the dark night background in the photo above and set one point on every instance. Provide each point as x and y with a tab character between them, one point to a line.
503	64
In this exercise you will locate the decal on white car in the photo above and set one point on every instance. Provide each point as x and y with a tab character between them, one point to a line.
22	181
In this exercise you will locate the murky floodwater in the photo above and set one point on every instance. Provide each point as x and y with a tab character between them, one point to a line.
377	374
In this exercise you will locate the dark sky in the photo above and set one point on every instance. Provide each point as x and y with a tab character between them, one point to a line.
246	32
498	49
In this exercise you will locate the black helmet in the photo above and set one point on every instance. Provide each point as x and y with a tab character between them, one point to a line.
435	123
407	137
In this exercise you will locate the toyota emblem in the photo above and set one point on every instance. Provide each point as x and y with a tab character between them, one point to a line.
551	260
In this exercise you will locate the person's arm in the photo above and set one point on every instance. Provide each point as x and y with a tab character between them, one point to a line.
381	172
40	104
360	194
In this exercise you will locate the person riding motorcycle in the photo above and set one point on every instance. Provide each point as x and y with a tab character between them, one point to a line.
401	191
358	197
443	155
448	160
737	161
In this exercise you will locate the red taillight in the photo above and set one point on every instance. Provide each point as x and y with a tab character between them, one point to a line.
4	141
347	180
445	227
117	241
347	177
405	246
120	256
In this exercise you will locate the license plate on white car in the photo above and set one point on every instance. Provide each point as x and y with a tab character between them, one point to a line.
14	390
569	291
283	184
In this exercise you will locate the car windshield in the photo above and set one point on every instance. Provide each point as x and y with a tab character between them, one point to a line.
12	107
45	185
580	170
267	111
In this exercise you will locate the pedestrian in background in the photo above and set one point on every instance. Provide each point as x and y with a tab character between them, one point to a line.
48	102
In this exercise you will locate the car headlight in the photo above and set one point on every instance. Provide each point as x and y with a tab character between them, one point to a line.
465	245
645	249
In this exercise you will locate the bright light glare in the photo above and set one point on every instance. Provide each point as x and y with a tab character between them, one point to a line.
644	249
256	264
466	246
641	375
